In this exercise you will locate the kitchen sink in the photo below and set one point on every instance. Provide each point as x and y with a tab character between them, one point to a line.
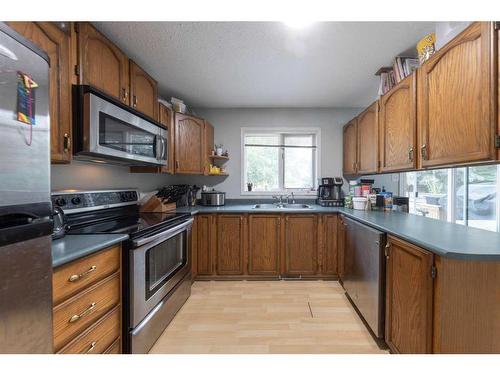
296	205
265	206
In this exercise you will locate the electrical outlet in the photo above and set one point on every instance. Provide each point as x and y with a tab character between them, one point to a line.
395	177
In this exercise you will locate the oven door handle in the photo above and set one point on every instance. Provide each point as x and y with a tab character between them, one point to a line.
164	235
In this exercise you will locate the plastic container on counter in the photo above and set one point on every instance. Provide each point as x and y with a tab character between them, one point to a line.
359	203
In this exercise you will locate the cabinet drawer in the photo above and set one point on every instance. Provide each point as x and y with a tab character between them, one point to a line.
98	338
114	348
81	311
69	279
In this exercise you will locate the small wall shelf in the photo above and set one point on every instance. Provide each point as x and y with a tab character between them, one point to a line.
217	157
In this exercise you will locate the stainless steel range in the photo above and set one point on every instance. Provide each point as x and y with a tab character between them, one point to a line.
156	258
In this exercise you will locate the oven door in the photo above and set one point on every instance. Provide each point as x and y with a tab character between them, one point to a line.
157	264
118	133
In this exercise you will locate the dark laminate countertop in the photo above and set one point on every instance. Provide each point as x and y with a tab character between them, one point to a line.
75	246
442	238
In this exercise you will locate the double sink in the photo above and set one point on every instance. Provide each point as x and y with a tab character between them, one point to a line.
284	206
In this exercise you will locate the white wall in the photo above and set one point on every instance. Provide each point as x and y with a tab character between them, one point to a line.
228	124
227	128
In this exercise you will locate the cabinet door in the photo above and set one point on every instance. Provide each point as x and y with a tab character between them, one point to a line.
206	242
102	64
398	126
56	43
189	144
329	236
408	321
301	245
456	118
166	118
341	229
263	244
368	140
350	146
143	91
230	244
209	145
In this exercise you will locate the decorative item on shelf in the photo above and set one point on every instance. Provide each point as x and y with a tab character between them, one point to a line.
178	105
218	150
249	186
214	169
225	154
426	47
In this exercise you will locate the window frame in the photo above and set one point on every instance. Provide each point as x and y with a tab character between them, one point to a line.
316	131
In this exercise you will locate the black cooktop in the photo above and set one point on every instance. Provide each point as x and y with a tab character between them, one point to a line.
121	220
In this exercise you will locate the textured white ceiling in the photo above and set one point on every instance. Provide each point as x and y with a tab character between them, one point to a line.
266	64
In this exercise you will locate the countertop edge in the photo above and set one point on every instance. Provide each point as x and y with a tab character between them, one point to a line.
61	260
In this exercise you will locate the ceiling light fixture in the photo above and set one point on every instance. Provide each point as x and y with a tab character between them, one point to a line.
298	23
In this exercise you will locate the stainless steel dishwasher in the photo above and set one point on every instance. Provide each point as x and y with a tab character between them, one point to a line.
364	272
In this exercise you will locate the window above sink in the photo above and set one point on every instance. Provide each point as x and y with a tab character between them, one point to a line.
280	161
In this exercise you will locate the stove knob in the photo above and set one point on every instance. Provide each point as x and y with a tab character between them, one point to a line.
60	202
76	200
123	197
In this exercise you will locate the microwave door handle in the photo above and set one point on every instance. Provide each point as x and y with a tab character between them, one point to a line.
163	148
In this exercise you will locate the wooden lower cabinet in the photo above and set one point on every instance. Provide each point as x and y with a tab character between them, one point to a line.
87	304
409	293
341	237
253	246
264	241
301	245
230	244
206	238
328	244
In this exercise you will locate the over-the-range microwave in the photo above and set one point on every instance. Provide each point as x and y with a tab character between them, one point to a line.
107	130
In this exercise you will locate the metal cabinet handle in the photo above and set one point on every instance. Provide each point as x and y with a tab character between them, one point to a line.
66	142
353	166
177	164
124	94
386	250
77	277
134	101
410	154
91	348
85	312
423	151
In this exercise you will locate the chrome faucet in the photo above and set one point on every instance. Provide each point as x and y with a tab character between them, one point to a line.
293	198
280	200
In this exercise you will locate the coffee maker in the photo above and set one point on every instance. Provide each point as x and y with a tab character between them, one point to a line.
330	192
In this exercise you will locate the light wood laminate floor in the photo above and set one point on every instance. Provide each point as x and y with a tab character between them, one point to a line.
266	317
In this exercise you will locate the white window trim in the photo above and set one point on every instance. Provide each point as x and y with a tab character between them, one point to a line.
298	193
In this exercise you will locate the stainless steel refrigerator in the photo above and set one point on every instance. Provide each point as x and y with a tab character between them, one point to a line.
25	209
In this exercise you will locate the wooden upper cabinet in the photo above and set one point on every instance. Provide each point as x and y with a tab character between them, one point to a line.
301	246
409	294
143	91
367	123
166	118
102	64
230	244
56	43
456	100
350	147
264	244
190	154
398	126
